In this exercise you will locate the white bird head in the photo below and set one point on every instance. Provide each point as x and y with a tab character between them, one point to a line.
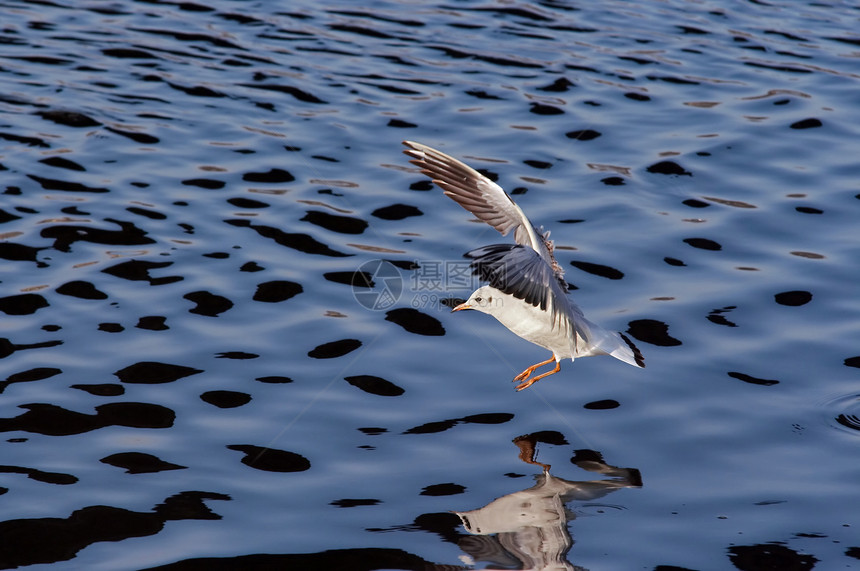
485	299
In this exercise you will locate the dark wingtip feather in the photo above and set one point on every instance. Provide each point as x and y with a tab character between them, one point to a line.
637	354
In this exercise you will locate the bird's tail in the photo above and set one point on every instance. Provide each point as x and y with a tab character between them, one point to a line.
615	344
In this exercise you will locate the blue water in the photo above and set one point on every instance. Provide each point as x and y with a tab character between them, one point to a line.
194	379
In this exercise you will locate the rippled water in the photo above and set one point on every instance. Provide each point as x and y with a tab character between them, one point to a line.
196	376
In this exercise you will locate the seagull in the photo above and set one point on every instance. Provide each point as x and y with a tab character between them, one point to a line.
526	292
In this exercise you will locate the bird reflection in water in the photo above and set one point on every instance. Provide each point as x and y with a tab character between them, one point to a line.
528	529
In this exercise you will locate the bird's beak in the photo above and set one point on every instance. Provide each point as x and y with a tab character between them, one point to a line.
461	307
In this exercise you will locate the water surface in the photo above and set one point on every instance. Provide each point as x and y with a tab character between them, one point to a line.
194	378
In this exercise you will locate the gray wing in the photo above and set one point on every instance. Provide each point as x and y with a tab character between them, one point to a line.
477	194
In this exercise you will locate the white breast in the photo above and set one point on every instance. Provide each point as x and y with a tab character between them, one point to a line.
535	325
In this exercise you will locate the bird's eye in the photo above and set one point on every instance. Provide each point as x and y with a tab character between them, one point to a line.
479	299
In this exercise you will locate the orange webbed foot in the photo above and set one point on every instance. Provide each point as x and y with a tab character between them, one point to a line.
530	382
525	374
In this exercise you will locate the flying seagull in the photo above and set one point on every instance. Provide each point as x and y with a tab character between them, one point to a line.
526	292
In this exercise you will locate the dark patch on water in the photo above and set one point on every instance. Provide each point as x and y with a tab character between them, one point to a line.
396	212
81	289
443	425
68	118
695	203
335	223
422	185
271	459
52	539
582	135
20	253
207	183
208	303
57	478
598	269
226	399
250	203
613	181
537	164
138	270
560	85
66	235
354	559
297	241
605	404
277	291
810	123
544	109
357	278
142	138
334	349
30	375
102	389
153	372
53	420
62	163
251	267
481	94
637	96
446	489
488	418
793	298
355	502
152	323
703	244
769	556
717	316
147	213
375	385
65	185
668	167
239	355
401	124
652	331
7	347
7	217
752	380
139	463
415	321
22	304
274	380
272	176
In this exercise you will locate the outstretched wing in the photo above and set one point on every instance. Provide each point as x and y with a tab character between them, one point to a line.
477	194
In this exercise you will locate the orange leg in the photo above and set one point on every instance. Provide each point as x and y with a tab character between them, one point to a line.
530	382
525	374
